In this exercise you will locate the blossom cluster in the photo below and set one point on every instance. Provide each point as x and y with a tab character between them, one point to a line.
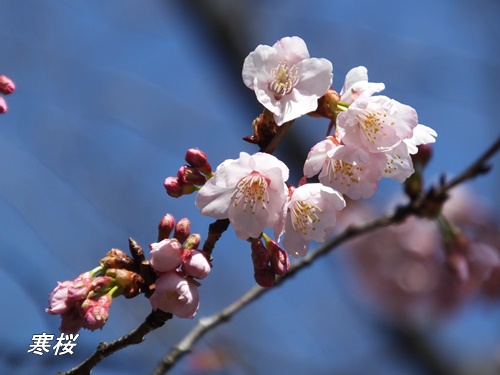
85	301
177	263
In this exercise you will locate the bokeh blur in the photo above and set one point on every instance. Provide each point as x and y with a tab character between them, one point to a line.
109	96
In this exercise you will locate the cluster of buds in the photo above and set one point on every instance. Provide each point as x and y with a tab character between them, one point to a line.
191	176
177	263
85	301
269	260
7	87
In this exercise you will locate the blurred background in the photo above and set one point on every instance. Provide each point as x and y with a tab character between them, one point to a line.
111	94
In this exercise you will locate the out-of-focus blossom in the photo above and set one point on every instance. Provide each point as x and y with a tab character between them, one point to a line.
311	215
285	79
356	83
250	191
176	295
7	86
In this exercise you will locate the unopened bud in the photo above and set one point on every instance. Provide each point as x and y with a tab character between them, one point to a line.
182	230
280	263
195	264
190	175
116	258
165	227
192	242
7	86
198	159
260	255
173	187
3	105
130	282
96	313
264	277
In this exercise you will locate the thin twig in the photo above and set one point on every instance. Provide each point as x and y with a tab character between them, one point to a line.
399	215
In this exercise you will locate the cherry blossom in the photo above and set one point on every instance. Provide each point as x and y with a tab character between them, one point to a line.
351	171
376	123
285	79
356	83
176	295
311	216
250	191
166	255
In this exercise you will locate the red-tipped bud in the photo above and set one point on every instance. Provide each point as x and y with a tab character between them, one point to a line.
182	230
173	187
3	105
264	277
192	242
260	255
190	175
165	227
198	159
280	263
7	86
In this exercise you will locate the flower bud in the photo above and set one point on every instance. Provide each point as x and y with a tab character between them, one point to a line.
173	187
165	227
3	105
280	263
176	295
116	258
190	175
58	300
182	230
260	255
71	320
423	155
95	313
130	282
80	287
7	86
198	159
264	277
195	264
192	242
166	255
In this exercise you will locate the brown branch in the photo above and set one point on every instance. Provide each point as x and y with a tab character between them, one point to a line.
418	208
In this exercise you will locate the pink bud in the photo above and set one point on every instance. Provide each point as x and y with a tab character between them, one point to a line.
95	313
165	227
166	255
176	295
189	175
198	159
80	287
280	263
264	277
58	300
182	230
173	187
7	86
3	105
423	155
195	264
260	255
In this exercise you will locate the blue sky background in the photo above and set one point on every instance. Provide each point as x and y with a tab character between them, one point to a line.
111	94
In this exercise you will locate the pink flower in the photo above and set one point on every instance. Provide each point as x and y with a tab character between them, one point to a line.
285	79
95	313
250	191
58	300
311	216
351	171
71	320
176	295
195	264
376	123
356	83
166	255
